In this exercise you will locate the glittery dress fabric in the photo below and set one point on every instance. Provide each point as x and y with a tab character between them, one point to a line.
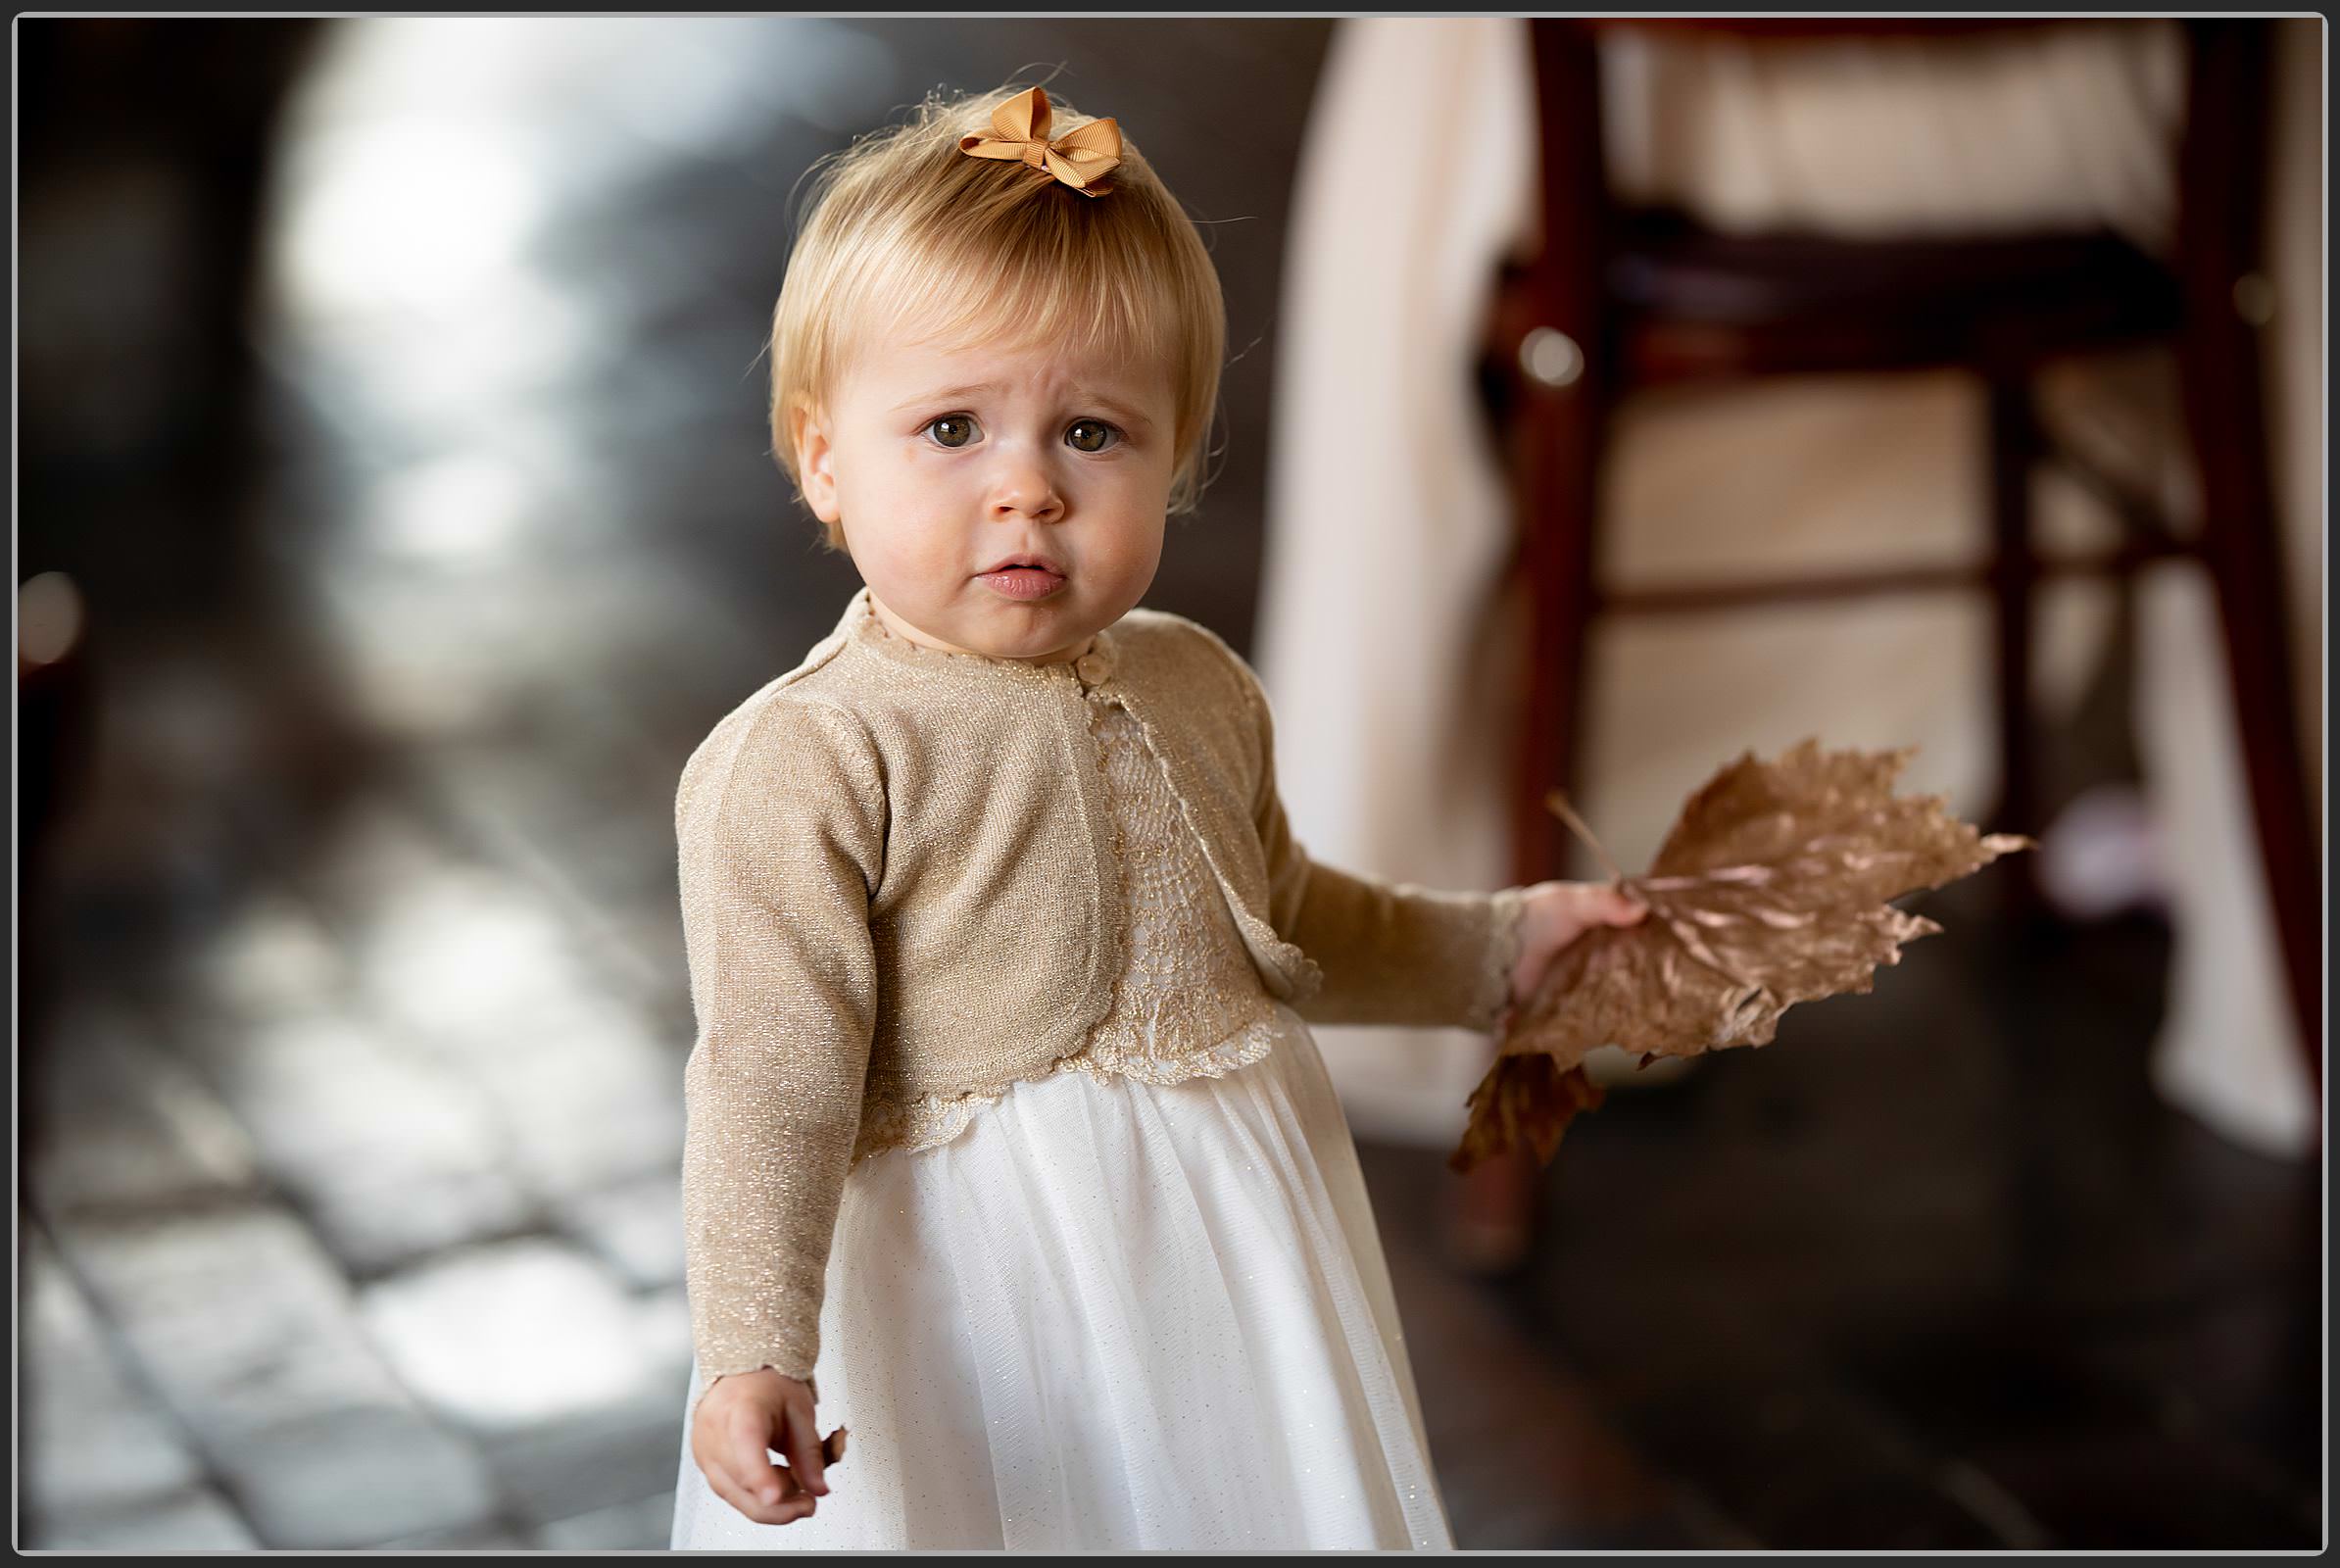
1137	1301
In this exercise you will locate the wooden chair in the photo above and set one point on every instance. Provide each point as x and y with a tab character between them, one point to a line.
1624	298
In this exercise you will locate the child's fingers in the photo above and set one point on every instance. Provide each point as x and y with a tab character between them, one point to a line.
788	1503
789	1484
756	1489
802	1445
773	1495
1606	901
729	1439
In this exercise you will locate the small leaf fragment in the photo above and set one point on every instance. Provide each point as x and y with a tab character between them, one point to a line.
1525	1101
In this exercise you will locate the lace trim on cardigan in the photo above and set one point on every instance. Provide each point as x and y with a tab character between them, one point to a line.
933	1120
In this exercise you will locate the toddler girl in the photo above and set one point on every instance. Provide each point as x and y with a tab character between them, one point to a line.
1006	1132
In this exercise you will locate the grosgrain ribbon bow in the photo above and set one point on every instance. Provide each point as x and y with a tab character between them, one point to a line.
1081	159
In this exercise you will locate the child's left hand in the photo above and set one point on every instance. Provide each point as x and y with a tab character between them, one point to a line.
1556	913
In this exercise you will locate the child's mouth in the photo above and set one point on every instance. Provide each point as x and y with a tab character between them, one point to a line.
1023	582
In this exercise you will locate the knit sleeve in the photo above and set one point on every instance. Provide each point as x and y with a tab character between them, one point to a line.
779	820
1391	953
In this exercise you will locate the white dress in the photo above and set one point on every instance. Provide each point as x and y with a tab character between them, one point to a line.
1138	1302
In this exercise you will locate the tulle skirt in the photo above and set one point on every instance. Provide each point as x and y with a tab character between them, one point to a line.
1118	1315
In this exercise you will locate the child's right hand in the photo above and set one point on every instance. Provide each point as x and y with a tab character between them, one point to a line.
740	1416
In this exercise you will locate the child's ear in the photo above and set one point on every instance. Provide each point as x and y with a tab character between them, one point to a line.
816	476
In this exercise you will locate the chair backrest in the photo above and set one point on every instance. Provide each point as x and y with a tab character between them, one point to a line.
2221	172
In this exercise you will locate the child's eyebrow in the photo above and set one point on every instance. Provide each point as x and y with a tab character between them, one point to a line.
1121	411
1127	413
943	394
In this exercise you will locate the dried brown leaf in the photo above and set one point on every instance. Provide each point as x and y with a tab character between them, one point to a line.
1525	1101
1772	889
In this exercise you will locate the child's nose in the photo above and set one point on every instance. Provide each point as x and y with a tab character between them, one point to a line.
1026	488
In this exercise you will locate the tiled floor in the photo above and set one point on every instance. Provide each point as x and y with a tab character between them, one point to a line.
353	1111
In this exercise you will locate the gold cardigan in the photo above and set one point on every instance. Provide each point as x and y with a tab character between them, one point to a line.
899	881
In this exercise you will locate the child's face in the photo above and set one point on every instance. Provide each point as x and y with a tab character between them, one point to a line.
939	464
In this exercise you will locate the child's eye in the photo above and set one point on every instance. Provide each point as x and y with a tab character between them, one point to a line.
1091	435
952	431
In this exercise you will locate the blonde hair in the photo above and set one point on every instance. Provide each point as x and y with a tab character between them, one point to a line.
902	223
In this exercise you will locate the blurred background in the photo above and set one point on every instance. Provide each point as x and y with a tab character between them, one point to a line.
395	515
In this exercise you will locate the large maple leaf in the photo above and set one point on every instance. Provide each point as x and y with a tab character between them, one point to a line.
1772	889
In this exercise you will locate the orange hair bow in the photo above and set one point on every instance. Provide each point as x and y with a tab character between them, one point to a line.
1081	159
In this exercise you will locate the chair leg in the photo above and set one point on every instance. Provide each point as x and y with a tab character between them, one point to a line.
1555	461
1554	464
2241	549
2221	211
1561	493
2015	452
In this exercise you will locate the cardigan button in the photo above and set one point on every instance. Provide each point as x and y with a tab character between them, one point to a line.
1092	667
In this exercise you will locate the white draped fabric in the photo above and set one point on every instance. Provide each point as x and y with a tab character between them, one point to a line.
1386	521
1114	1315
